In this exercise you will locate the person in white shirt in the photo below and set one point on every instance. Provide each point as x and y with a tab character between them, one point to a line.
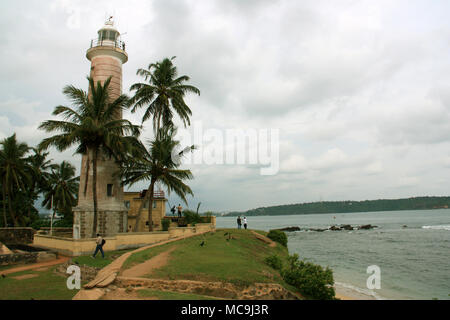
100	242
245	223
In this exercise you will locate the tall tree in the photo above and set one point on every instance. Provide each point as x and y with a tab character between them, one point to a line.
94	127
163	94
62	188
156	164
14	173
40	172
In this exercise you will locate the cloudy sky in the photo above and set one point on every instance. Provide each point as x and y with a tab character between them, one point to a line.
360	90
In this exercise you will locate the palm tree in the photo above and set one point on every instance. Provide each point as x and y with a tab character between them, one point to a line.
40	172
163	94
14	173
94	127
62	188
157	166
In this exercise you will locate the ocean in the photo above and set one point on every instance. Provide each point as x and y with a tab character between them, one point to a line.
411	248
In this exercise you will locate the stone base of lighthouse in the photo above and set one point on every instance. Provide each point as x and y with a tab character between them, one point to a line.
109	222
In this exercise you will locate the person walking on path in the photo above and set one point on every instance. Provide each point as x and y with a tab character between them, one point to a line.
239	222
100	242
179	210
245	223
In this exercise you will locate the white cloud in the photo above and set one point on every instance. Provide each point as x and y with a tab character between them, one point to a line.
358	89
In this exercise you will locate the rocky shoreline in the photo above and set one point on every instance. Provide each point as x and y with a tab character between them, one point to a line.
344	227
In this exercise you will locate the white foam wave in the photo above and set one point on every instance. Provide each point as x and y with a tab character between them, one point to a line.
360	291
438	227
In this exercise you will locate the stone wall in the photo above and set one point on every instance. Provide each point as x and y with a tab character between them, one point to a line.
16	235
77	247
109	223
26	258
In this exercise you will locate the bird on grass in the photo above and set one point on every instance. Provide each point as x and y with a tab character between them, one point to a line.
3	276
226	233
202	244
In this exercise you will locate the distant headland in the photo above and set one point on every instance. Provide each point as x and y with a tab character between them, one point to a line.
415	203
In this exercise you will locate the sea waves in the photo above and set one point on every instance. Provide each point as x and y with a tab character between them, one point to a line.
438	227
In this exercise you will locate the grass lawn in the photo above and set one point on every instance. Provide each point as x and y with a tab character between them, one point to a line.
167	295
99	262
46	286
239	260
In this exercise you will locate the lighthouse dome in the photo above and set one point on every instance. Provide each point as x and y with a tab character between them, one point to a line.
108	31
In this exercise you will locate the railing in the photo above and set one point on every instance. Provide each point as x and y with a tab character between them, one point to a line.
107	43
156	194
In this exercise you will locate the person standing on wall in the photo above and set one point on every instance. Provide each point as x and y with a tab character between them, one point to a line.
239	222
100	243
245	223
173	211
179	210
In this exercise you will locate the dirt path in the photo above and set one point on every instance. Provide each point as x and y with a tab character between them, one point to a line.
108	274
271	243
148	266
34	266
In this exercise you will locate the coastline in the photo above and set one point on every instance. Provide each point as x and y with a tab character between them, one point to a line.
347	292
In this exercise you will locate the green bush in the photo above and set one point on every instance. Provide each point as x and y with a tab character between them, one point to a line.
165	223
274	262
311	280
40	223
208	215
191	217
278	236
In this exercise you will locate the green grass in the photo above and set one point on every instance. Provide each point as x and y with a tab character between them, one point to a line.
168	295
99	262
239	261
46	286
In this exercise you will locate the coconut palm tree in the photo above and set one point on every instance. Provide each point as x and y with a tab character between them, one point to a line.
93	126
14	174
156	165
62	188
163	94
40	173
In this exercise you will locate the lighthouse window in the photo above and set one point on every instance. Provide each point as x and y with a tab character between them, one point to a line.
107	35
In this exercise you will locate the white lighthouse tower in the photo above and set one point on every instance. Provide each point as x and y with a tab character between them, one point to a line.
107	55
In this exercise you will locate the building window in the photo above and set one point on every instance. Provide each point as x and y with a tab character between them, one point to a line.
154	204
127	204
145	204
109	190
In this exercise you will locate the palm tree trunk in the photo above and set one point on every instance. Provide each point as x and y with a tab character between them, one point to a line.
150	206
11	211
87	173
5	221
138	217
94	192
53	218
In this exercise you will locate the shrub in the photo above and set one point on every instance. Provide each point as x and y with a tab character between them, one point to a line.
274	262
278	236
208	215
310	279
191	217
38	224
165	223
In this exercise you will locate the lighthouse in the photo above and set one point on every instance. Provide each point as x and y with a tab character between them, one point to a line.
107	55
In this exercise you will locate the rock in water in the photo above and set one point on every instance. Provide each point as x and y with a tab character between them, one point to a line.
334	228
290	229
367	227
